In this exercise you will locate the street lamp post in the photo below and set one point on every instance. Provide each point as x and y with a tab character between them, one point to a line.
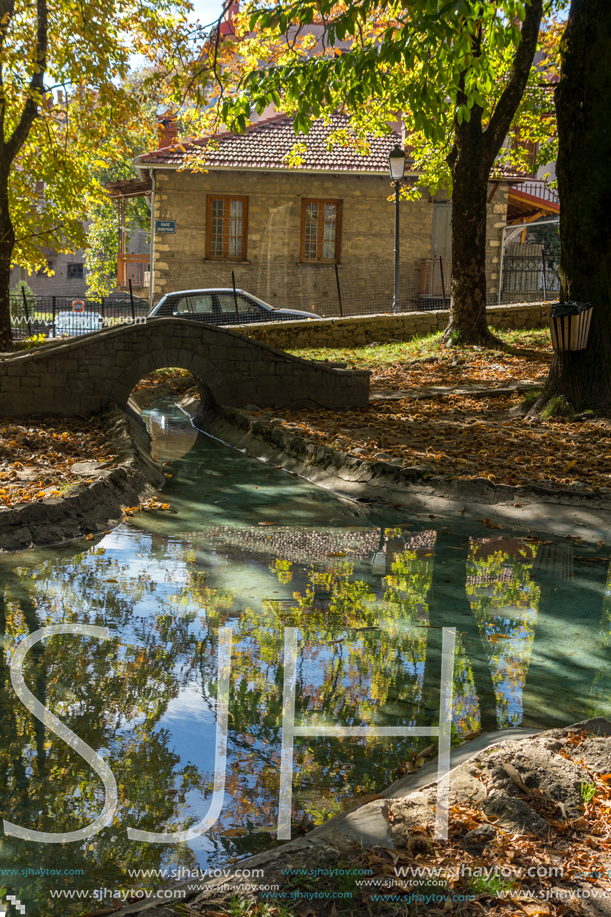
396	164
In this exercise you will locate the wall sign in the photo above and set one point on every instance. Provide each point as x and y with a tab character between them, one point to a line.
165	225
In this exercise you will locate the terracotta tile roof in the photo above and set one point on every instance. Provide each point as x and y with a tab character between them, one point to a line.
266	144
506	173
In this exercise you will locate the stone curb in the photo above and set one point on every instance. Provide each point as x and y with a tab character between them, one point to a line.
382	481
92	507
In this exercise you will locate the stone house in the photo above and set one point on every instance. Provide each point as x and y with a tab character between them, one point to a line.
299	224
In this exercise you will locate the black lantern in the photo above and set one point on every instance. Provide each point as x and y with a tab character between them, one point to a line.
396	164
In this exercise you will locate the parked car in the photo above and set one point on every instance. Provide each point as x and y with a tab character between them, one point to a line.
74	323
218	306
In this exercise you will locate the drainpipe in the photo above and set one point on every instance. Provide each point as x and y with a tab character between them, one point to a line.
152	240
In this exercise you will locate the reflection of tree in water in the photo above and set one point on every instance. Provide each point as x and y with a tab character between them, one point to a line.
112	694
361	662
504	600
369	653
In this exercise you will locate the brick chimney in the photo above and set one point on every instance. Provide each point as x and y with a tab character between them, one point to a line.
167	130
227	26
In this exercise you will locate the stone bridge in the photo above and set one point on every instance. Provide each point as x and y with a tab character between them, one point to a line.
82	375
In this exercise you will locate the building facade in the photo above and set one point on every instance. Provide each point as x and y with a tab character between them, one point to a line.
301	223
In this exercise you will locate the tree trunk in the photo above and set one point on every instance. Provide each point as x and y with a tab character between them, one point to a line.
7	242
471	159
584	184
469	190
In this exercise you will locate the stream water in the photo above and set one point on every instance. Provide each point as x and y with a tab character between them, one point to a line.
249	547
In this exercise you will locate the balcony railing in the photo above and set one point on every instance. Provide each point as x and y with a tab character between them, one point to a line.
435	277
539	189
132	267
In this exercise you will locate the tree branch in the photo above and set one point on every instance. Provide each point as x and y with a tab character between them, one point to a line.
509	101
6	14
36	85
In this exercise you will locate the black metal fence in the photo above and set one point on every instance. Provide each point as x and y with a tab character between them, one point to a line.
64	316
325	290
530	274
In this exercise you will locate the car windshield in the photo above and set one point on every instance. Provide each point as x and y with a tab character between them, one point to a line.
262	302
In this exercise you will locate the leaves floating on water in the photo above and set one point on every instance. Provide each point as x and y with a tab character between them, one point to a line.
489	523
145	506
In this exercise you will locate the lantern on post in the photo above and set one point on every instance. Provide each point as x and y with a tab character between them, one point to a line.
396	165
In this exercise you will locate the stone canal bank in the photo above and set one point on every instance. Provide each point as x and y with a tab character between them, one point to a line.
90	507
564	511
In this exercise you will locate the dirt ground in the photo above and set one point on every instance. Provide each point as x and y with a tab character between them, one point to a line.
468	434
529	828
37	456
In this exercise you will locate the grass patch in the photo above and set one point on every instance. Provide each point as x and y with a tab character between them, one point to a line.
557	406
421	348
491	885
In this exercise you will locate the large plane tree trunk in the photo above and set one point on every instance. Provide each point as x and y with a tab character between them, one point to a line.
470	170
471	159
584	183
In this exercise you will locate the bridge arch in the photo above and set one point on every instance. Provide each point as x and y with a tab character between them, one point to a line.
202	370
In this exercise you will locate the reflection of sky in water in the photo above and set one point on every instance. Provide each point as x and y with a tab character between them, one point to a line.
149	699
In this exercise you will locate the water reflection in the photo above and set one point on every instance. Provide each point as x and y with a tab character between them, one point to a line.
369	654
171	436
504	601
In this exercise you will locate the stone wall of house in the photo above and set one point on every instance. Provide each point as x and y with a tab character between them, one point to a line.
272	268
498	197
367	329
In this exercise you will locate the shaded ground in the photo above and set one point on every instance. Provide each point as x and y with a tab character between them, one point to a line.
469	434
37	455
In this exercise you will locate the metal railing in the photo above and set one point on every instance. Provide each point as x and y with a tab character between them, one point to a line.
538	188
329	291
63	316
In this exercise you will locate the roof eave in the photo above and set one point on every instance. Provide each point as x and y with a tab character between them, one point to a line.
289	171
